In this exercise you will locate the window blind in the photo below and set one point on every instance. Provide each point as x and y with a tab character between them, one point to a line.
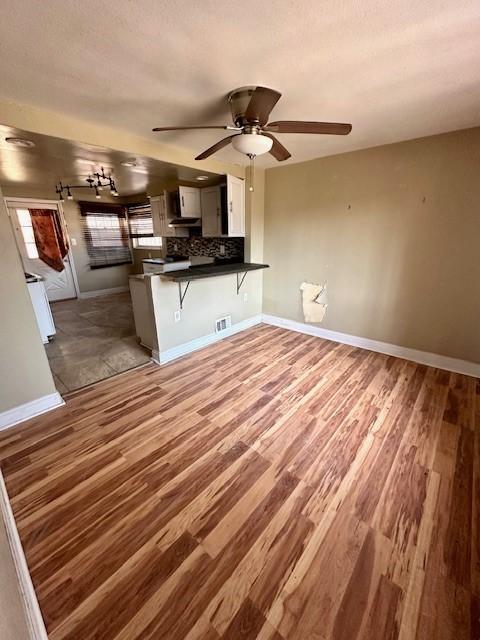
140	220
106	234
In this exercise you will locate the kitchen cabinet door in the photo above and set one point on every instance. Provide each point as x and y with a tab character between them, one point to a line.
236	206
211	214
157	207
190	206
160	218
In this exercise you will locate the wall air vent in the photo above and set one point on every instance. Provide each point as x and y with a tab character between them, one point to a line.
223	323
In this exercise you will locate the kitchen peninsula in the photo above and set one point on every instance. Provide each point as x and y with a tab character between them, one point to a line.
225	299
198	288
211	271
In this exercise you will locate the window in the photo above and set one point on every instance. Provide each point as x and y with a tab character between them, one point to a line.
106	235
25	224
147	243
141	227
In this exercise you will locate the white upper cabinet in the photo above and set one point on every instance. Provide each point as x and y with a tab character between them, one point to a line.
220	207
190	205
211	212
160	218
157	206
236	206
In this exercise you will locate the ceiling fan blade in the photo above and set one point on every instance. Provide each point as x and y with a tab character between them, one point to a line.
299	126
216	147
278	151
261	103
199	127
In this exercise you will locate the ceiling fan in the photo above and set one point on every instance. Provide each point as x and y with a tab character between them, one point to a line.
251	107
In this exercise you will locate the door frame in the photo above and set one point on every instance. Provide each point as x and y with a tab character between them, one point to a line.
27	203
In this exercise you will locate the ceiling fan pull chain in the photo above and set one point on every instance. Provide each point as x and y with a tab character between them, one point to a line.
251	172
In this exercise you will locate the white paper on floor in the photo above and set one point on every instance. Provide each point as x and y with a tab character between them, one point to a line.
314	299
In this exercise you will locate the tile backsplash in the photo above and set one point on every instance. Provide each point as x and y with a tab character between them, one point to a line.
197	246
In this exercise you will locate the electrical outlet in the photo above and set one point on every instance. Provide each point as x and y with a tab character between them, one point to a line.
245	297
177	316
175	247
73	242
222	249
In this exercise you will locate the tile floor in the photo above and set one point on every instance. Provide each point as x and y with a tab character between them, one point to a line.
95	339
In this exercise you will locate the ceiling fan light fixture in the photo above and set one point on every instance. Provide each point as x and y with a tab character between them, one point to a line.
252	144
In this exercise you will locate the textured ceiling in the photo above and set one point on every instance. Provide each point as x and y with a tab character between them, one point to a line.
395	69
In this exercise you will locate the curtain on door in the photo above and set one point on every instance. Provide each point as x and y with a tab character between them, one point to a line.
52	244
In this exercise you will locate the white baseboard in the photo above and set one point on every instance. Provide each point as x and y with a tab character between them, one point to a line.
33	615
103	292
30	410
163	357
422	357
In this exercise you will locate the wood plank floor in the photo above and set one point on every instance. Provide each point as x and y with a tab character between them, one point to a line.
272	486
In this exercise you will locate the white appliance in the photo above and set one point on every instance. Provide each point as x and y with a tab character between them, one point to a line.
41	306
158	265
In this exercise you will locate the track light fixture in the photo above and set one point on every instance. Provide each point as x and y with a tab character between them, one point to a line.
96	181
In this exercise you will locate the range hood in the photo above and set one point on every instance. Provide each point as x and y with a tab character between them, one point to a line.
185	222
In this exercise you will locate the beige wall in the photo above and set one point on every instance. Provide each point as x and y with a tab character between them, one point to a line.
205	301
24	371
395	233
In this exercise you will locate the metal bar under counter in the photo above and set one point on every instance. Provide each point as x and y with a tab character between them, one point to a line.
211	271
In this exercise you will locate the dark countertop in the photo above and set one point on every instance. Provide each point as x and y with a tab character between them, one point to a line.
211	271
